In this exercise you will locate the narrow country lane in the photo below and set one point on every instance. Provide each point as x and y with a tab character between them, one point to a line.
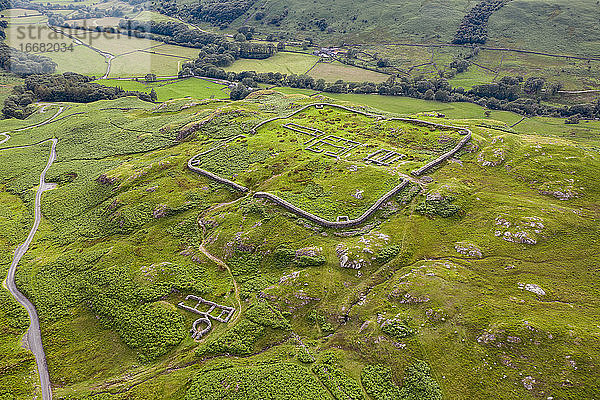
34	335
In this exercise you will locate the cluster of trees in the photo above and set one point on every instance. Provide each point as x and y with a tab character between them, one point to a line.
170	32
217	12
473	28
443	207
23	64
509	94
69	87
319	23
215	49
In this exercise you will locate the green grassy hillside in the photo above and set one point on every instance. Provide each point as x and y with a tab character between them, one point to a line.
481	285
557	26
561	26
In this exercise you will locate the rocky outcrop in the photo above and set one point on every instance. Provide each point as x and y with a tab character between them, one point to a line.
523	230
530	287
468	249
345	261
105	180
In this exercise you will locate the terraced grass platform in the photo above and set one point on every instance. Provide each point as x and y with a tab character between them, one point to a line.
346	163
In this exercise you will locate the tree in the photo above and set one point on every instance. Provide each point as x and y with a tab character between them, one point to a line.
153	95
553	88
429	94
383	62
442	95
150	78
461	65
533	85
240	37
239	92
320	85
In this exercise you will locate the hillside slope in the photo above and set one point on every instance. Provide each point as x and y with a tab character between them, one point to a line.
555	26
488	274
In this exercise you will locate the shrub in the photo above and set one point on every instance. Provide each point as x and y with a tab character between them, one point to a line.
387	253
333	376
265	315
419	384
309	261
283	257
270	381
319	319
397	329
238	340
304	355
442	207
377	381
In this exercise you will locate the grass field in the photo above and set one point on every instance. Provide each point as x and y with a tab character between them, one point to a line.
319	183
132	236
331	72
195	88
559	26
133	56
286	63
490	264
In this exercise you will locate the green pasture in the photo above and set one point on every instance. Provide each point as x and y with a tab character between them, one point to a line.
191	87
286	63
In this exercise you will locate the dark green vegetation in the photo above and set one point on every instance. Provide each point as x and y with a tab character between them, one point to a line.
418	304
173	88
212	11
473	28
559	26
69	87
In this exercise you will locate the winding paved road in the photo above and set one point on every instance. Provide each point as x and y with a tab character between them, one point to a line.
34	335
52	118
108	56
